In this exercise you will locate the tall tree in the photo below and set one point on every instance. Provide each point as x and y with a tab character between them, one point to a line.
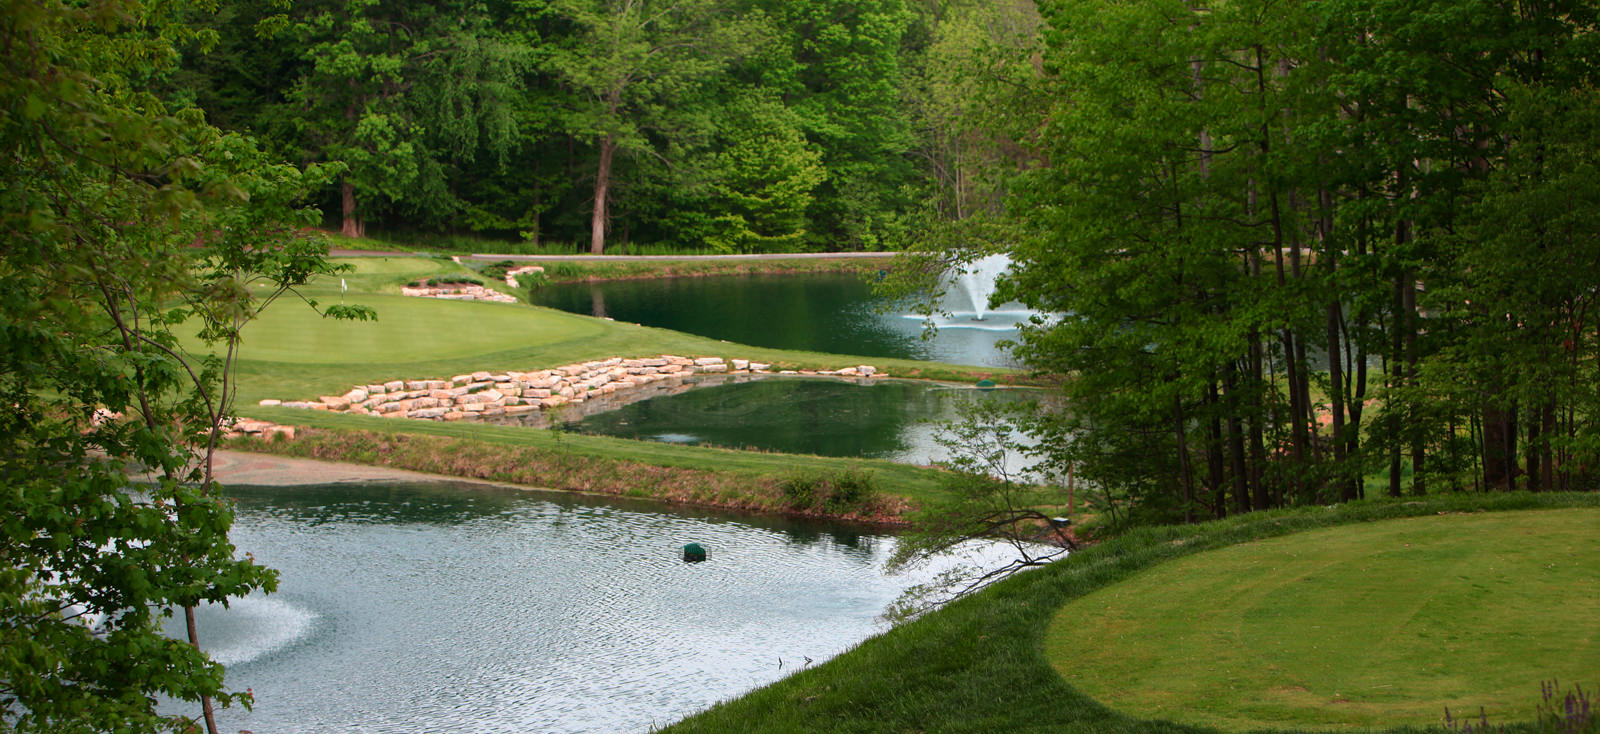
122	223
845	84
628	62
399	93
1246	201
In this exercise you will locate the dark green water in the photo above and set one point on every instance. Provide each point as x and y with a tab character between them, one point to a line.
447	608
883	419
837	314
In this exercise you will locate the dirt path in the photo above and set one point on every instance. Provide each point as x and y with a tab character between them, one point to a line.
240	467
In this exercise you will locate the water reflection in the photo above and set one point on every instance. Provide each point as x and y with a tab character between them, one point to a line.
838	314
895	420
408	608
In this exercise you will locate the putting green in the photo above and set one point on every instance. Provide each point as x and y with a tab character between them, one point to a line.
1357	626
407	330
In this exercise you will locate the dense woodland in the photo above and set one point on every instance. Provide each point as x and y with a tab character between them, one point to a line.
1313	251
706	125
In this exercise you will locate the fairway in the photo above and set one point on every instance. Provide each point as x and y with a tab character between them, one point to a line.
1371	625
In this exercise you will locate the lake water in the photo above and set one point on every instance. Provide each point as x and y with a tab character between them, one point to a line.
837	314
451	608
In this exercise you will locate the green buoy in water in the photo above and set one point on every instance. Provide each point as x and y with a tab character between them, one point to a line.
694	553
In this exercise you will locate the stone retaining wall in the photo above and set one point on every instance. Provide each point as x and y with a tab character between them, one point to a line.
488	394
457	293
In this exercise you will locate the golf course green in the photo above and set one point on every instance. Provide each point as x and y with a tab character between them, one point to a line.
1353	627
1027	654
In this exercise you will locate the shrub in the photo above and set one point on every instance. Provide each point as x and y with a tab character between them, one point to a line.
444	280
498	270
838	493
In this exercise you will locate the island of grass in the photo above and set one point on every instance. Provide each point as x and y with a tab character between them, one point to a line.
1344	608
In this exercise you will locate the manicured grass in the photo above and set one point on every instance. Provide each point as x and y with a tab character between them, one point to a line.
1378	624
293	353
980	664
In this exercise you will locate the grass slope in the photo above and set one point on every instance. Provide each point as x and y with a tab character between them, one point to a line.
980	664
1361	626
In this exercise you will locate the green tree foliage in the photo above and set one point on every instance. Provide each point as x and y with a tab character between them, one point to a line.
402	94
598	120
631	64
759	174
844	82
122	222
1298	247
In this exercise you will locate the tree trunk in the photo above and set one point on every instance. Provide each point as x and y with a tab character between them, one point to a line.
1184	470
1499	448
206	710
1394	367
1236	462
1214	469
1418	428
602	182
1336	385
350	225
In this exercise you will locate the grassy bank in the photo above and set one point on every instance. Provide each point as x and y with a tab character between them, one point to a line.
980	664
861	491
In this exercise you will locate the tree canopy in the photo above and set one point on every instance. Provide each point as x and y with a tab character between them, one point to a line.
1304	252
123	222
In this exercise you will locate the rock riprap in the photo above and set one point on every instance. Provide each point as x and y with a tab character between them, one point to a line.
488	394
511	275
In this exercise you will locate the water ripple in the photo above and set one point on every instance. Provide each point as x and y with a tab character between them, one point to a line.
522	613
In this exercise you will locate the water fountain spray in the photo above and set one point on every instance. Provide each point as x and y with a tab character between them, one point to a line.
978	278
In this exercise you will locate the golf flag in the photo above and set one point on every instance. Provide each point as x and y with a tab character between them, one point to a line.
342	286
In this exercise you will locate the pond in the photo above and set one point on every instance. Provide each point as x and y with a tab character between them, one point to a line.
895	420
453	608
834	313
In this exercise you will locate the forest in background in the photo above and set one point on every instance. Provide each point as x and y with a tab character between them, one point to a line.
1307	252
696	125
